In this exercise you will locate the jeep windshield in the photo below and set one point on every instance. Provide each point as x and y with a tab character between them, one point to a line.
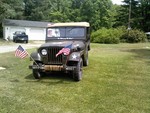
66	32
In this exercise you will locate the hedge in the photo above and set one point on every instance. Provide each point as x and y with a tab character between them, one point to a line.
117	35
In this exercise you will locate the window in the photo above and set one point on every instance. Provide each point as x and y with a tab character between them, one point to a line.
66	32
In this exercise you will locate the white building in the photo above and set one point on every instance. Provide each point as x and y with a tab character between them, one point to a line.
35	30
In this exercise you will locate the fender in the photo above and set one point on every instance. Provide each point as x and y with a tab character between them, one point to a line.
75	56
36	56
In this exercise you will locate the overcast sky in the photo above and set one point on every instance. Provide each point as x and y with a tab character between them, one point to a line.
117	2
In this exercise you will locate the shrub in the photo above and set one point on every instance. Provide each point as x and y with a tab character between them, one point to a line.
134	36
116	35
108	36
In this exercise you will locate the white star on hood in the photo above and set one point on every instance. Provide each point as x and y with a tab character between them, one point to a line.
74	56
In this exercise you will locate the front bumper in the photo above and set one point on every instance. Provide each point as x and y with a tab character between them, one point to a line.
52	67
21	39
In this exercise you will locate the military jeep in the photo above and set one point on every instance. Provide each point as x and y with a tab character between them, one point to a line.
66	50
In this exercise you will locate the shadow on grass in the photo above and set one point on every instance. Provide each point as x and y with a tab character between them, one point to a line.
52	78
143	54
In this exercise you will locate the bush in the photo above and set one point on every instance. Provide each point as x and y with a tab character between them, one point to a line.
134	36
107	36
116	35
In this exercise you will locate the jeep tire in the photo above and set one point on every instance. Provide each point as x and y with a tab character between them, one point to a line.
36	73
85	59
78	71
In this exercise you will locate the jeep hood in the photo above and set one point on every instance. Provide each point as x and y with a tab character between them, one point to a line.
75	44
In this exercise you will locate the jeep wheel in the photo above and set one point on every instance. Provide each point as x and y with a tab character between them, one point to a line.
86	60
78	71
36	74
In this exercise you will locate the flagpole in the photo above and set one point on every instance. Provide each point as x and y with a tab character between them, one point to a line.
33	60
21	52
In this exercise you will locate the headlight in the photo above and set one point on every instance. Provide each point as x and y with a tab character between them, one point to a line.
44	52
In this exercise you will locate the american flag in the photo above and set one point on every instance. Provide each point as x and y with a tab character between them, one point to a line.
65	50
20	52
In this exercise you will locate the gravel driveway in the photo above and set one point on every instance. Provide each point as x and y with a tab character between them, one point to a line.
9	48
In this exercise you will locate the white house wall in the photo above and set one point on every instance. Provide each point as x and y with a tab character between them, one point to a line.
33	33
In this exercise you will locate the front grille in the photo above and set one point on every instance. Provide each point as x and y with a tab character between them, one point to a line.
52	59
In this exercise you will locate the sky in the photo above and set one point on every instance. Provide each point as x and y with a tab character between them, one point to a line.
117	2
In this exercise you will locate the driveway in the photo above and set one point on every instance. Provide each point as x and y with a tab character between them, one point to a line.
9	48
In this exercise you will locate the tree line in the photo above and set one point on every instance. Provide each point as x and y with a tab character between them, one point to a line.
140	14
99	13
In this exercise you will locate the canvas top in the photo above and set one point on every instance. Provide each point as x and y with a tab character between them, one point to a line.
80	24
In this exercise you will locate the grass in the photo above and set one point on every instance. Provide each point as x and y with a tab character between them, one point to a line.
4	42
117	80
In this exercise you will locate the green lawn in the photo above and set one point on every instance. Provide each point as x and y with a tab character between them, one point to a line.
4	42
117	80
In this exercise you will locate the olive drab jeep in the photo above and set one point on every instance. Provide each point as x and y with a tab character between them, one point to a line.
65	50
